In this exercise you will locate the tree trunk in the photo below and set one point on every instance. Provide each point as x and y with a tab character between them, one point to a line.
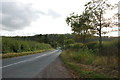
100	41
100	36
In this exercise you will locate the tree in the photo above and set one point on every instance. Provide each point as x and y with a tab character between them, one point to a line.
69	41
80	25
96	9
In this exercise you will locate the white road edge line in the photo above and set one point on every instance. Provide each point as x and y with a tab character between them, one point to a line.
28	59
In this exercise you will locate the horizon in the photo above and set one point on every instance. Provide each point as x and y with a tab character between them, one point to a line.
56	34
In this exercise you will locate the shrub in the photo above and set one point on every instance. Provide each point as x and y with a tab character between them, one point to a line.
92	45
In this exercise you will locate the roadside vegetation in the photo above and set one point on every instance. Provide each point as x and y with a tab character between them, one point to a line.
85	61
10	45
10	55
13	48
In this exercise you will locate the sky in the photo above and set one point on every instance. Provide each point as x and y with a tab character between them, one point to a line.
31	17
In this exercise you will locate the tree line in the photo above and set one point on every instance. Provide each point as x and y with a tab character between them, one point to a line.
59	40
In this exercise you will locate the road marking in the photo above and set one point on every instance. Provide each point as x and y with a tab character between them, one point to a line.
13	64
28	59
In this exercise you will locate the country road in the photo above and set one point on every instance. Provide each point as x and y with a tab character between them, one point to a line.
27	66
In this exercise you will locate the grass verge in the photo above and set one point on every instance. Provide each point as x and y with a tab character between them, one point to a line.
10	55
79	72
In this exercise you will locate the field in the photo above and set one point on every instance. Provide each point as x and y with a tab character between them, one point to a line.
13	48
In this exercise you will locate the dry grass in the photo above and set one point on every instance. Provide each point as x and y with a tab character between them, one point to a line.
88	57
78	70
9	55
106	61
106	65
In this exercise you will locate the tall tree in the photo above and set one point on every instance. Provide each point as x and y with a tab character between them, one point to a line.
96	9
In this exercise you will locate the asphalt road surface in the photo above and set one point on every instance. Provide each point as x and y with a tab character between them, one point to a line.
27	66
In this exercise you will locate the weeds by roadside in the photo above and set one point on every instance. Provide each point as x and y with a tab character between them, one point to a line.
88	65
10	55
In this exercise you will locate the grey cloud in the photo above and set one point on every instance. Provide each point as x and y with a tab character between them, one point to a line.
17	16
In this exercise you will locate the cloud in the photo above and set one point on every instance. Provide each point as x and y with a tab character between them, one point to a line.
53	13
17	16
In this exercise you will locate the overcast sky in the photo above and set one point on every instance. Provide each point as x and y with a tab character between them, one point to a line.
30	17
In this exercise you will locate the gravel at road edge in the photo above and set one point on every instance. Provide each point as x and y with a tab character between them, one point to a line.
55	70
